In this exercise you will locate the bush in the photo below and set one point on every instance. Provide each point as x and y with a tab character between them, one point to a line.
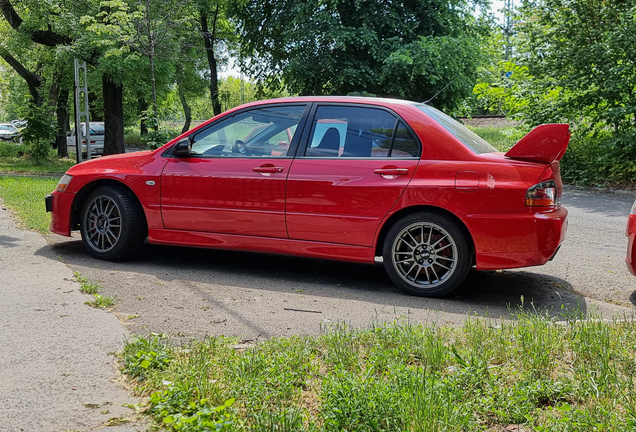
134	139
600	160
158	138
39	132
9	149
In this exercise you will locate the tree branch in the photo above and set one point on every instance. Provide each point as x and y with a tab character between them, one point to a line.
43	37
32	79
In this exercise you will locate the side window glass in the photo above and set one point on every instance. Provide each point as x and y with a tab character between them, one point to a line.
345	131
405	145
262	132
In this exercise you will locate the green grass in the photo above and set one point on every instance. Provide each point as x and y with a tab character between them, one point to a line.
11	161
25	197
502	138
571	376
103	302
86	286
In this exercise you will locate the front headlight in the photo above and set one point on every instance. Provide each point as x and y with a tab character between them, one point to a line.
543	194
63	183
633	211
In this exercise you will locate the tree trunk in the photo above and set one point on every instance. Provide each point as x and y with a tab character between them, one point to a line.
155	108
208	39
143	108
186	109
113	116
62	123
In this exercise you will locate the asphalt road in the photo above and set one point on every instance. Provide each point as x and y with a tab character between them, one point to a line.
57	371
191	293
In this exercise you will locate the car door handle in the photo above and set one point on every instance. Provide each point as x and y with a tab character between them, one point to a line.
391	171
268	169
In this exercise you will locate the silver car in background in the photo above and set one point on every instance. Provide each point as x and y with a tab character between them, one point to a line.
9	133
95	138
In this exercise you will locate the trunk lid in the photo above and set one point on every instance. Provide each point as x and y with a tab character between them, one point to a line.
545	143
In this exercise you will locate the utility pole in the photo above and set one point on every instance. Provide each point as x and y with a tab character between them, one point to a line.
508	24
82	114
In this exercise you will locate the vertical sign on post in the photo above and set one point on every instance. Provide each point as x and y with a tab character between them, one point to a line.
82	133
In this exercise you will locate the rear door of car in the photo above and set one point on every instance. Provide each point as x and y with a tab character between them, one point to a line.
234	180
353	163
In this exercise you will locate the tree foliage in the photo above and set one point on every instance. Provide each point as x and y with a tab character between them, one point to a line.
409	49
578	63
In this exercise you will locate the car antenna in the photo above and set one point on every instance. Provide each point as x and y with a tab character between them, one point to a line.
450	82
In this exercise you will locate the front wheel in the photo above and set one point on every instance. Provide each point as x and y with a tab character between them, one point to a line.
427	254
113	224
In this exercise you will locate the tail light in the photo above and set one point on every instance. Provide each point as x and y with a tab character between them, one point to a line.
543	194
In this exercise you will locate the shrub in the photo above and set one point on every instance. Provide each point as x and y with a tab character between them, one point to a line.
601	159
39	132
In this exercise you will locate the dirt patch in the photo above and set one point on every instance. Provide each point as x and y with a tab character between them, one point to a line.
495	122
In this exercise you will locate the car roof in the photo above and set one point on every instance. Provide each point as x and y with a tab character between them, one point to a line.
337	99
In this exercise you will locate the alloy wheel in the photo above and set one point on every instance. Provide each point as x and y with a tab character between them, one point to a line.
103	223
424	255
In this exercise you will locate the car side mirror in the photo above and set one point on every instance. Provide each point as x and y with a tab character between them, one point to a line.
182	148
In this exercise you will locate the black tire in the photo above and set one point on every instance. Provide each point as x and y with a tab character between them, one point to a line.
113	224
427	254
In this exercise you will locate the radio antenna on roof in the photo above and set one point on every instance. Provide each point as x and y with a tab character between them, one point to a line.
438	92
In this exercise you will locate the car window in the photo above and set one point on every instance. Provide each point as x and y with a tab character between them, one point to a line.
96	129
262	132
355	132
461	132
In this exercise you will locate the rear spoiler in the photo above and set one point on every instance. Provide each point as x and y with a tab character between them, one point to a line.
545	143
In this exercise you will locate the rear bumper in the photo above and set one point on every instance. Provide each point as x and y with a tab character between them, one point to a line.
59	204
514	240
630	259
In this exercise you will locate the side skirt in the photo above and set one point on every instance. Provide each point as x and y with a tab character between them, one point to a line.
359	254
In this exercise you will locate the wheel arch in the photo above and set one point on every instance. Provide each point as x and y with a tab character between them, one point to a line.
81	196
409	210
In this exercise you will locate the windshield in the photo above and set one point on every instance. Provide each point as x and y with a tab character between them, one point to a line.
461	132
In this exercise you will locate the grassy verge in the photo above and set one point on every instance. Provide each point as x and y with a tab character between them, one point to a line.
578	376
502	138
25	196
12	160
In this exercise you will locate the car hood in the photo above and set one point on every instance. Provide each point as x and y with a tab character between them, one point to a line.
545	143
110	164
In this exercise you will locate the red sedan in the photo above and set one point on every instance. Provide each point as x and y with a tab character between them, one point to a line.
630	260
339	178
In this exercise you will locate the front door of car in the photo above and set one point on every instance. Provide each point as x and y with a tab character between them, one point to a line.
352	166
233	182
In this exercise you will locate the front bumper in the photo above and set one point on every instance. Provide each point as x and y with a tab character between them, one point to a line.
630	259
59	204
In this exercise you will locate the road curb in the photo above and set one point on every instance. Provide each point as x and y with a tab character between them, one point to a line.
606	190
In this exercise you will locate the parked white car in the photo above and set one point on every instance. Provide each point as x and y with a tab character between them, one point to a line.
8	132
96	139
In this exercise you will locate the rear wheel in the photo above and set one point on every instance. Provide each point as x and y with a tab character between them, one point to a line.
113	225
427	254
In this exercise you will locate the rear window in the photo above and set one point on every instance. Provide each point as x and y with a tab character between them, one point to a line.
461	132
97	129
